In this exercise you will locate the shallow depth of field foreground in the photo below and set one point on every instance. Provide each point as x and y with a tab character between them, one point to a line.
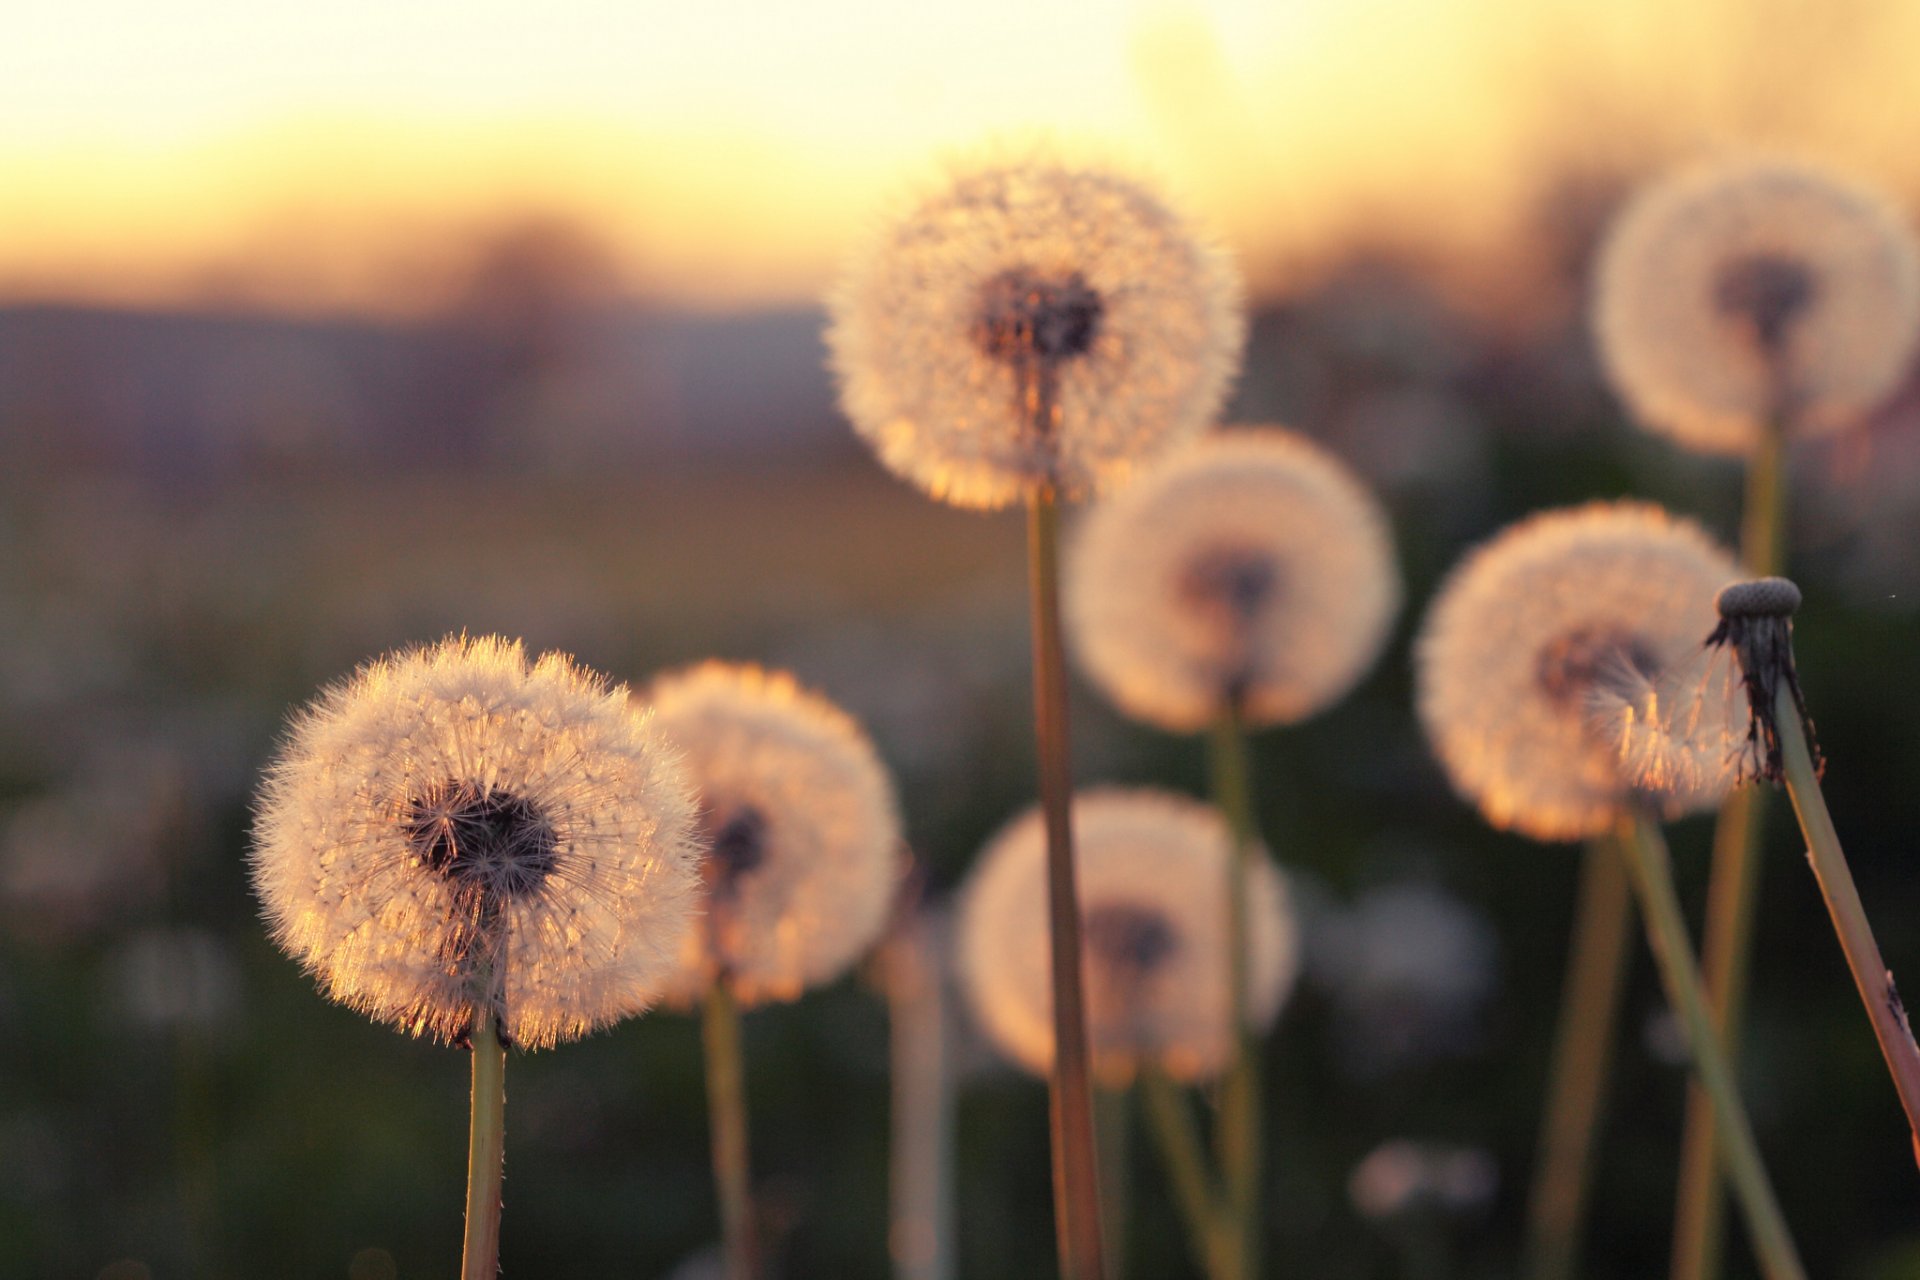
773	642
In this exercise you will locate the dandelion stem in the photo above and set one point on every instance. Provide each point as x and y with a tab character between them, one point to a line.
1209	1227
1651	869
486	1155
1733	891
727	1108
1870	973
1237	1130
1076	1187
1112	1119
1582	1060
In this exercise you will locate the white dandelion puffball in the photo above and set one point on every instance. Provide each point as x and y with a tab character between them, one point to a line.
1755	289
805	832
1152	879
1251	569
1034	323
1540	643
455	830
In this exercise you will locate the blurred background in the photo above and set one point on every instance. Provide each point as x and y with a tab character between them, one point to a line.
329	329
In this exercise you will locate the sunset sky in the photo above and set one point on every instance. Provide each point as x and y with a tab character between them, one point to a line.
724	152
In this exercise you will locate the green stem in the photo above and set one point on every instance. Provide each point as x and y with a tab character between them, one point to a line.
1651	869
1870	974
1076	1177
1111	1119
1202	1208
486	1155
1237	1130
727	1110
1582	1059
1733	891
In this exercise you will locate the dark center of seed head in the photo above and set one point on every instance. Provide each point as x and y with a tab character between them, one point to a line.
481	838
739	844
1569	667
1235	581
1026	316
1129	939
1768	292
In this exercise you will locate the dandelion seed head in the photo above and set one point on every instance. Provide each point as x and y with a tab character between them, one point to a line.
1152	879
1556	670
1755	288
455	830
1033	322
1250	567
804	829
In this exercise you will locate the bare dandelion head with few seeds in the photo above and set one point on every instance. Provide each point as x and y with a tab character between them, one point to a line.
456	832
1252	569
804	830
1558	666
1152	880
1035	322
1754	290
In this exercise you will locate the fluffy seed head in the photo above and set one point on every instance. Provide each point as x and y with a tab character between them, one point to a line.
1034	322
1756	288
456	831
1251	567
1152	877
1558	668
804	827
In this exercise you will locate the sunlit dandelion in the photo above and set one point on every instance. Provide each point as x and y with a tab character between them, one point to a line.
1251	570
1153	874
1558	670
456	832
803	824
1036	321
1753	291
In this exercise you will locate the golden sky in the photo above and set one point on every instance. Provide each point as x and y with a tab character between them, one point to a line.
724	152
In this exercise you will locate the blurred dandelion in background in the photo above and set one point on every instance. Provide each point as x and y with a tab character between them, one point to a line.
1402	1176
456	832
1752	291
1153	875
804	828
1036	321
1544	643
1251	571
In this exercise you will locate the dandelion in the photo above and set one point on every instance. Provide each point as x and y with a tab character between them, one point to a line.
1036	322
1756	291
1543	660
1035	331
1251	570
1157	978
468	845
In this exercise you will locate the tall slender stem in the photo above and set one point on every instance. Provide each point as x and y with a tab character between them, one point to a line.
486	1154
1112	1121
1870	974
1733	892
1076	1186
1582	1060
727	1110
920	1036
1209	1226
1238	1125
1651	870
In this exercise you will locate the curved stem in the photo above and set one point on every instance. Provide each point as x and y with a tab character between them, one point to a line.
1870	974
1209	1226
1237	1133
486	1154
1733	891
1076	1184
727	1109
1582	1060
1651	869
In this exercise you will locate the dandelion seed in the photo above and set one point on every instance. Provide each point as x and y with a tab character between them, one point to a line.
1756	290
456	831
804	827
1153	870
1549	648
1252	570
1035	323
